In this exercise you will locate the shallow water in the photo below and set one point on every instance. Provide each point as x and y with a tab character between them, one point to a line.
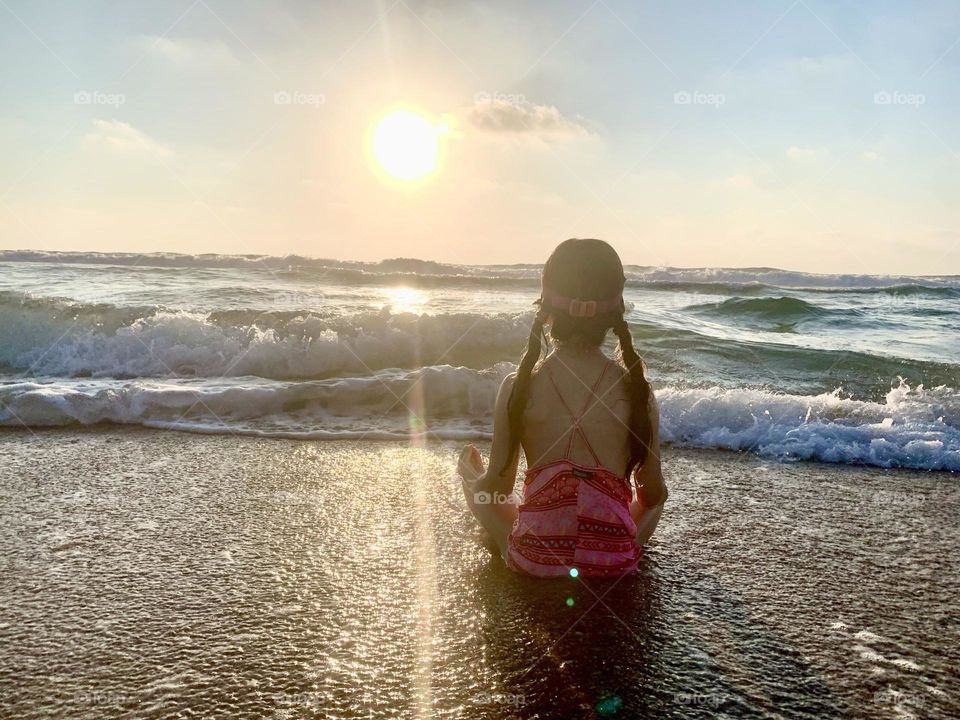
151	574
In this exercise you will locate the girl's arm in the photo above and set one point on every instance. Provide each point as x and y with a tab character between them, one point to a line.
471	464
649	477
494	480
651	489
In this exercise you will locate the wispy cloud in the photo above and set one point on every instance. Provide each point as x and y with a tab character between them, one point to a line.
184	51
119	137
739	182
823	65
807	153
523	118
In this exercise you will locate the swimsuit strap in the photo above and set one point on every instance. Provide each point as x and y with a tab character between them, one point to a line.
578	417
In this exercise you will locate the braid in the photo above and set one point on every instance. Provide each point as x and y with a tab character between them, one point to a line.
639	389
521	386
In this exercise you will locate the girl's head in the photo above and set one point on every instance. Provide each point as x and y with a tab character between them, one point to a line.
582	297
582	291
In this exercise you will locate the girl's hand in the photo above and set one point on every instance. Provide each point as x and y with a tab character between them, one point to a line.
470	465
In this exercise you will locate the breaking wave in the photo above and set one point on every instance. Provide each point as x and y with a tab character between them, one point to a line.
910	428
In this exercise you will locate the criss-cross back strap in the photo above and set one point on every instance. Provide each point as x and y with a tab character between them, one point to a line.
577	428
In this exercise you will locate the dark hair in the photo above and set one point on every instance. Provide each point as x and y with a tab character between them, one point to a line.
584	269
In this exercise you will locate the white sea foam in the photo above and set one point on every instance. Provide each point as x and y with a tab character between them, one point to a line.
913	427
910	428
322	408
163	343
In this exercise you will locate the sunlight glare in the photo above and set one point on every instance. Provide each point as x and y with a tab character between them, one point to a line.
406	300
406	144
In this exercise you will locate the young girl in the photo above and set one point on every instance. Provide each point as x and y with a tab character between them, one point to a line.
585	423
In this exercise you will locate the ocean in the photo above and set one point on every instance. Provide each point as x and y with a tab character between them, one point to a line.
790	366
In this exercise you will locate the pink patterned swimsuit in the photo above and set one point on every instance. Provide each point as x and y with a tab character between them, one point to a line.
574	516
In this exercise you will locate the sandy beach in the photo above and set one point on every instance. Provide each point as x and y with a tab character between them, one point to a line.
162	574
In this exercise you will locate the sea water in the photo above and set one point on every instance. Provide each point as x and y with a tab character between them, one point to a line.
793	366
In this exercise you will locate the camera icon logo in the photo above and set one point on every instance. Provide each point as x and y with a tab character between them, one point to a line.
882	98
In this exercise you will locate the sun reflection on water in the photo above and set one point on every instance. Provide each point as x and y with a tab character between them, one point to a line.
406	300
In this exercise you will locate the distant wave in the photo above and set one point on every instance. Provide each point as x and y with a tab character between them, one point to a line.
213	260
429	273
774	278
944	291
774	308
912	427
368	276
784	312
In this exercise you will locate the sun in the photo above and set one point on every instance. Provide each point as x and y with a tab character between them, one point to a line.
406	144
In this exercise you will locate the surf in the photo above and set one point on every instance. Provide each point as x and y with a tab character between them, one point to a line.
910	427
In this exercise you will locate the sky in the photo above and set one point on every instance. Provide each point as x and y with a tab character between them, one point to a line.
803	134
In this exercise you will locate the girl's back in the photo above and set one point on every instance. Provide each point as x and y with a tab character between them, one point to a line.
560	388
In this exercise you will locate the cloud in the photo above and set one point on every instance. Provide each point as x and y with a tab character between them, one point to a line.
823	65
871	155
807	153
522	118
182	51
740	182
119	137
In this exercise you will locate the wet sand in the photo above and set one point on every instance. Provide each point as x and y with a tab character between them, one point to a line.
160	574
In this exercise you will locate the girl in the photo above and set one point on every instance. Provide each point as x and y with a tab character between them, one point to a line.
585	423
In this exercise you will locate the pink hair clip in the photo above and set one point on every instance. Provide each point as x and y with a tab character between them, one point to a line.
582	308
575	307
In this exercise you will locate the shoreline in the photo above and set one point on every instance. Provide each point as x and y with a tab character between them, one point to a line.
392	438
150	572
